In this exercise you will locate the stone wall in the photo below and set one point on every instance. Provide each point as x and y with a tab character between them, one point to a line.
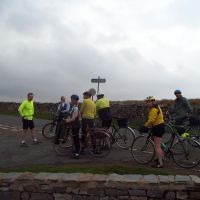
61	186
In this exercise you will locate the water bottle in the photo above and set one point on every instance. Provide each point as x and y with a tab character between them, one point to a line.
163	146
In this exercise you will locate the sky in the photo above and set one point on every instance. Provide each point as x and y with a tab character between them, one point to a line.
141	47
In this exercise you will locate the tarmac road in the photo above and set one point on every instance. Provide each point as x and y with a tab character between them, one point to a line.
12	155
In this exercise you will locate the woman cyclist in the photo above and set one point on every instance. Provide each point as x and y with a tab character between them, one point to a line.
156	123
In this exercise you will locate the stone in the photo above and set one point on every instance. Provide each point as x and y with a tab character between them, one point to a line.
55	176
170	195
140	193
171	179
152	179
181	195
96	191
92	198
104	198
62	196
195	179
182	179
163	179
11	176
41	176
123	197
4	188
155	193
46	188
194	195
25	196
9	195
70	177
115	177
75	191
138	198
31	187
41	196
115	192
79	197
132	178
59	189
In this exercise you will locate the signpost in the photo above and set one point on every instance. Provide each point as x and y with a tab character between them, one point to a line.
98	80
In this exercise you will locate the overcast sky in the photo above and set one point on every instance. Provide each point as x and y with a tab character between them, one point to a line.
141	47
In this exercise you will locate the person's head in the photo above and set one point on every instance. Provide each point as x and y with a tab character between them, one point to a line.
177	93
99	96
86	95
74	99
30	96
150	101
63	99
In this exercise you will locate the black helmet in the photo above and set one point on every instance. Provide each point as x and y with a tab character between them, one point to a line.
75	97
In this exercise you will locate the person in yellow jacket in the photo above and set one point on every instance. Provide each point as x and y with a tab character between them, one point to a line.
26	111
88	113
156	123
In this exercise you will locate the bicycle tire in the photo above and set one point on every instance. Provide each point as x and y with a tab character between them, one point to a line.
102	142
48	130
168	135
64	143
185	154
124	137
143	150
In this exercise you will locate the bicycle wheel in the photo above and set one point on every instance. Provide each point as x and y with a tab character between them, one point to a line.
143	150
124	137
99	144
195	133
48	131
186	154
167	136
64	142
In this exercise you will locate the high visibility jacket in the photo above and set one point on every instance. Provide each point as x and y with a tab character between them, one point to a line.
102	103
88	109
155	117
26	109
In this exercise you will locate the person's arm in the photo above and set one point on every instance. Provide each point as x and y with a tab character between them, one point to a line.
152	117
20	109
82	107
65	108
188	106
74	116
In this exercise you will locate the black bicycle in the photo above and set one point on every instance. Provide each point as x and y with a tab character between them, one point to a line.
49	129
121	133
185	152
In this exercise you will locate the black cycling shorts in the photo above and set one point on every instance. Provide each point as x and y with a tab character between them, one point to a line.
158	130
27	124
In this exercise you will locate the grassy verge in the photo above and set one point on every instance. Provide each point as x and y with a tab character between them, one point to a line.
103	169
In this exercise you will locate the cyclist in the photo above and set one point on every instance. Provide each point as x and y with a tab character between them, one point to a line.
182	110
75	122
26	111
103	110
62	112
156	123
88	113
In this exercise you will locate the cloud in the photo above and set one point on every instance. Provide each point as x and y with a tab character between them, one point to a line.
54	48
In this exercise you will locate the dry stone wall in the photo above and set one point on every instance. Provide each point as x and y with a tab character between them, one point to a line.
77	186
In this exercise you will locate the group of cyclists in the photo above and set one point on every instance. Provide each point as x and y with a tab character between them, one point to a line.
69	113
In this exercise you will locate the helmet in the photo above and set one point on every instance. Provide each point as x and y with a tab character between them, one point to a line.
87	93
177	92
150	98
75	97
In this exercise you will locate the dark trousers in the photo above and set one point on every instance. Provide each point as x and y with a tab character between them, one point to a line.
105	116
86	123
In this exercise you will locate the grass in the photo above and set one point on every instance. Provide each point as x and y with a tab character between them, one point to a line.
103	169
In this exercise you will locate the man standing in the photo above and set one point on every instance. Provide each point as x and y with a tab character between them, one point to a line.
182	109
26	111
88	113
103	110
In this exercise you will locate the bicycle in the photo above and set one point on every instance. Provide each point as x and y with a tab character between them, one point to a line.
122	134
98	141
48	130
183	151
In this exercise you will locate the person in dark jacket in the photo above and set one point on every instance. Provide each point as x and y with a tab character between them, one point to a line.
182	110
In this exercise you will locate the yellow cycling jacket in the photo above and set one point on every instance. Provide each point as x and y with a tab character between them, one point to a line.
26	109
88	109
155	117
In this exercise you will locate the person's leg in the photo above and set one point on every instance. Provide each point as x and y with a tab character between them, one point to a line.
75	133
24	132
159	152
32	128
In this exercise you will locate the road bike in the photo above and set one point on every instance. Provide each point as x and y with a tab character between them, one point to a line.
98	141
184	152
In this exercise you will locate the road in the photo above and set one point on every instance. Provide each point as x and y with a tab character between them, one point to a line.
12	155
